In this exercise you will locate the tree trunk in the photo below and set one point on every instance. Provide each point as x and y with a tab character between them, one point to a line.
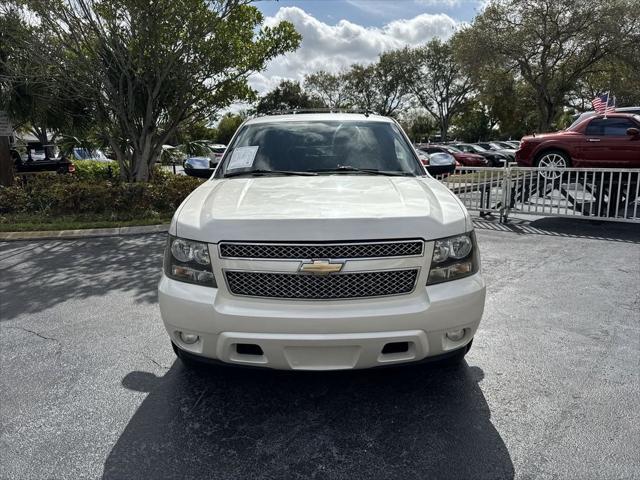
6	163
141	162
444	129
547	112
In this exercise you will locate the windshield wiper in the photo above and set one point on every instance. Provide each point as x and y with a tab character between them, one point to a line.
267	172
371	171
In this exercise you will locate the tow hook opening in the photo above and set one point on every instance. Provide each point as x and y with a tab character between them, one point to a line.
395	347
249	349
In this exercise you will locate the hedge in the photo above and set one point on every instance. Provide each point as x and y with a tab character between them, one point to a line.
90	191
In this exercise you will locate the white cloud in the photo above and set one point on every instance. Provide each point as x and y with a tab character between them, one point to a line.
439	3
336	47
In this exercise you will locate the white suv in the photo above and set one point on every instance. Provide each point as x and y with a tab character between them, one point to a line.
320	243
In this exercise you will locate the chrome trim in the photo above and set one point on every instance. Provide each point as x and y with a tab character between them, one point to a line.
415	284
315	244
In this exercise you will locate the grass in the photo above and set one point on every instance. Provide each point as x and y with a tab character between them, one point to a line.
31	223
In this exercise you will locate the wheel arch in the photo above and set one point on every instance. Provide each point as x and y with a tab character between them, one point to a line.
552	148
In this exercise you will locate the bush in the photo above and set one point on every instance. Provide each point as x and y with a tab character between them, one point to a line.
92	193
93	170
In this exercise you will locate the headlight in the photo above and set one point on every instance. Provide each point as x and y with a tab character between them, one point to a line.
453	258
188	261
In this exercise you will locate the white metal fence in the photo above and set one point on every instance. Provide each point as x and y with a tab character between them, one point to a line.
604	194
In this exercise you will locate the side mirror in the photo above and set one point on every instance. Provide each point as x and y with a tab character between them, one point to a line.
199	167
633	132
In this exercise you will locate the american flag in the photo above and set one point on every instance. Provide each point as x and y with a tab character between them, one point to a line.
604	104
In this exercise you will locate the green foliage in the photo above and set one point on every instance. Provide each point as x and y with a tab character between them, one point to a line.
151	67
381	87
288	95
91	170
419	127
59	195
550	45
329	88
227	127
439	82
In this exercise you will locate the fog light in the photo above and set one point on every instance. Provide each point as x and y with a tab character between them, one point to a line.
188	338
455	335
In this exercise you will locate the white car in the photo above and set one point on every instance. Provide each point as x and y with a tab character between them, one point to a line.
321	243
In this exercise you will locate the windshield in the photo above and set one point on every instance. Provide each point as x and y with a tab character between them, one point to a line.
326	147
477	148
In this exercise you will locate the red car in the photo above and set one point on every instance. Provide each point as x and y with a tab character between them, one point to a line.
466	159
598	142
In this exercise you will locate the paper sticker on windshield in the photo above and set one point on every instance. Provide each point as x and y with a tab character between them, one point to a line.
242	157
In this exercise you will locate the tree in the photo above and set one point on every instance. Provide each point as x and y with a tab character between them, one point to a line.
327	87
227	127
381	87
288	95
439	82
154	66
549	44
418	125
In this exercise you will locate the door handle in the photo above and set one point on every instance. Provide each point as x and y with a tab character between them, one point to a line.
593	139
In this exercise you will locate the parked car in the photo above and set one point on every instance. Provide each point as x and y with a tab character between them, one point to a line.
607	142
40	164
508	152
217	152
513	143
438	163
320	243
465	159
494	159
578	118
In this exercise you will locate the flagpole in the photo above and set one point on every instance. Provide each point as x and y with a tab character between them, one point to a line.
606	104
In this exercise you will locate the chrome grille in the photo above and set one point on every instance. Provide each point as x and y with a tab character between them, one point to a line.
317	287
404	248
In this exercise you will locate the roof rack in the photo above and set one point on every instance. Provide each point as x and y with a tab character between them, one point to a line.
295	111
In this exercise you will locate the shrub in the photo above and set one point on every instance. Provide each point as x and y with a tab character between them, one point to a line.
92	170
58	195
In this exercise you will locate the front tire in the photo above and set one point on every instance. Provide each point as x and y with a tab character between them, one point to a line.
458	357
187	361
552	159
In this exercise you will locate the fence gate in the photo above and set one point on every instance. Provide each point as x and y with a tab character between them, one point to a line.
599	193
481	189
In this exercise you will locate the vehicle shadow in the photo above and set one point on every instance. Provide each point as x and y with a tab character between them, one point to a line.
413	422
39	275
565	227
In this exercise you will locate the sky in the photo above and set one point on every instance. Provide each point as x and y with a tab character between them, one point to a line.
338	33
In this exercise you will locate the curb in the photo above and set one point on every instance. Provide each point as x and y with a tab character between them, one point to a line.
83	233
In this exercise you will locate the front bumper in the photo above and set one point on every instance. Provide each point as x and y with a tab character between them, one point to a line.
322	335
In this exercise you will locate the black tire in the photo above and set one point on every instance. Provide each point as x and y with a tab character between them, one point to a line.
458	356
186	359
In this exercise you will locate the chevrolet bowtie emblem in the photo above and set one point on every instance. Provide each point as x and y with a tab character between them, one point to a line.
321	267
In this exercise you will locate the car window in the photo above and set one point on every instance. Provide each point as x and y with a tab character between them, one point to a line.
617	126
321	145
609	126
595	127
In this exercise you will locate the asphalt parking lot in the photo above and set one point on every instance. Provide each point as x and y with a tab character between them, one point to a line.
90	388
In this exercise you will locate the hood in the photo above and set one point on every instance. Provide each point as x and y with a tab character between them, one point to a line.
539	137
321	208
